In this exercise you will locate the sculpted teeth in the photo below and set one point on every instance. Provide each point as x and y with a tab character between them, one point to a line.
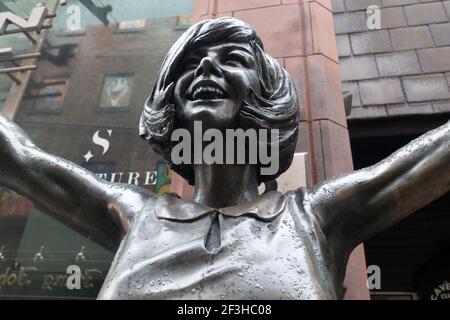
217	91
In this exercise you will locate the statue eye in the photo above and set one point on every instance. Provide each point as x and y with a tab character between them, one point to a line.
235	59
192	63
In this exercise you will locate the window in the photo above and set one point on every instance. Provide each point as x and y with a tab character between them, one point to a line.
131	25
116	91
50	96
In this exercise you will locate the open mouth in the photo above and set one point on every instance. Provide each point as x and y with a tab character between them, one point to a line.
206	90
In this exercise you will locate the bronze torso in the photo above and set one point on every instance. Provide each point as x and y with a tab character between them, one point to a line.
271	248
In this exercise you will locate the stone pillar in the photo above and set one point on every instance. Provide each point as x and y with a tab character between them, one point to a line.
300	34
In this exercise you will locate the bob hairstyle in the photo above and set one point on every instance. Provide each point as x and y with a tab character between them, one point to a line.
275	108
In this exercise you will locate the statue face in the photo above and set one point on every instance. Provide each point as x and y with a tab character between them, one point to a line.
214	83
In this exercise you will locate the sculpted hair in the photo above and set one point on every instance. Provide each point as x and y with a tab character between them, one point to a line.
275	108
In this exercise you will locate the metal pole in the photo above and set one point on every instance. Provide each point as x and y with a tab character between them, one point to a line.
13	78
20	57
17	90
17	69
28	35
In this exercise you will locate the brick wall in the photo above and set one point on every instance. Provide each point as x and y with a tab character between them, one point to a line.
402	68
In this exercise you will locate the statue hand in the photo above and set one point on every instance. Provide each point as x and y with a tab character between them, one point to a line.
156	120
162	97
12	137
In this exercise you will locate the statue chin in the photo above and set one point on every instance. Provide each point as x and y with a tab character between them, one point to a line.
218	113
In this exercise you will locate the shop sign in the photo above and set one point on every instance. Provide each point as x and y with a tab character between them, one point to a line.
433	280
441	292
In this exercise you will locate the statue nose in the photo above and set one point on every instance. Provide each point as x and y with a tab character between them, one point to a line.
206	67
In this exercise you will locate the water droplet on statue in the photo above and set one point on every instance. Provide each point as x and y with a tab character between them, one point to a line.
258	286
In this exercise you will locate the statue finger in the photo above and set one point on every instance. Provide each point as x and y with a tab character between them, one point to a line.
168	92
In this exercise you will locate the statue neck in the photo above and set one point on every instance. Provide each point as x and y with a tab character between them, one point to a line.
220	186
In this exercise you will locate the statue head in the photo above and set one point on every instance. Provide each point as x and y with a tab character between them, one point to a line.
218	73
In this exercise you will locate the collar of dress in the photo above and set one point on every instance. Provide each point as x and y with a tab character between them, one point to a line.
265	207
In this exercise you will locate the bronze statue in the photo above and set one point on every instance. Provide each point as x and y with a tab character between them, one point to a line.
228	242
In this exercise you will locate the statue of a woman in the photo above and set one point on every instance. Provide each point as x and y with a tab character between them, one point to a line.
228	242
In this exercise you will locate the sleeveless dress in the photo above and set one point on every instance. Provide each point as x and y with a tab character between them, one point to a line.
271	248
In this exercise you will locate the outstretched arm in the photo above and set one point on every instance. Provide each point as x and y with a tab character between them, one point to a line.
68	192
353	208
